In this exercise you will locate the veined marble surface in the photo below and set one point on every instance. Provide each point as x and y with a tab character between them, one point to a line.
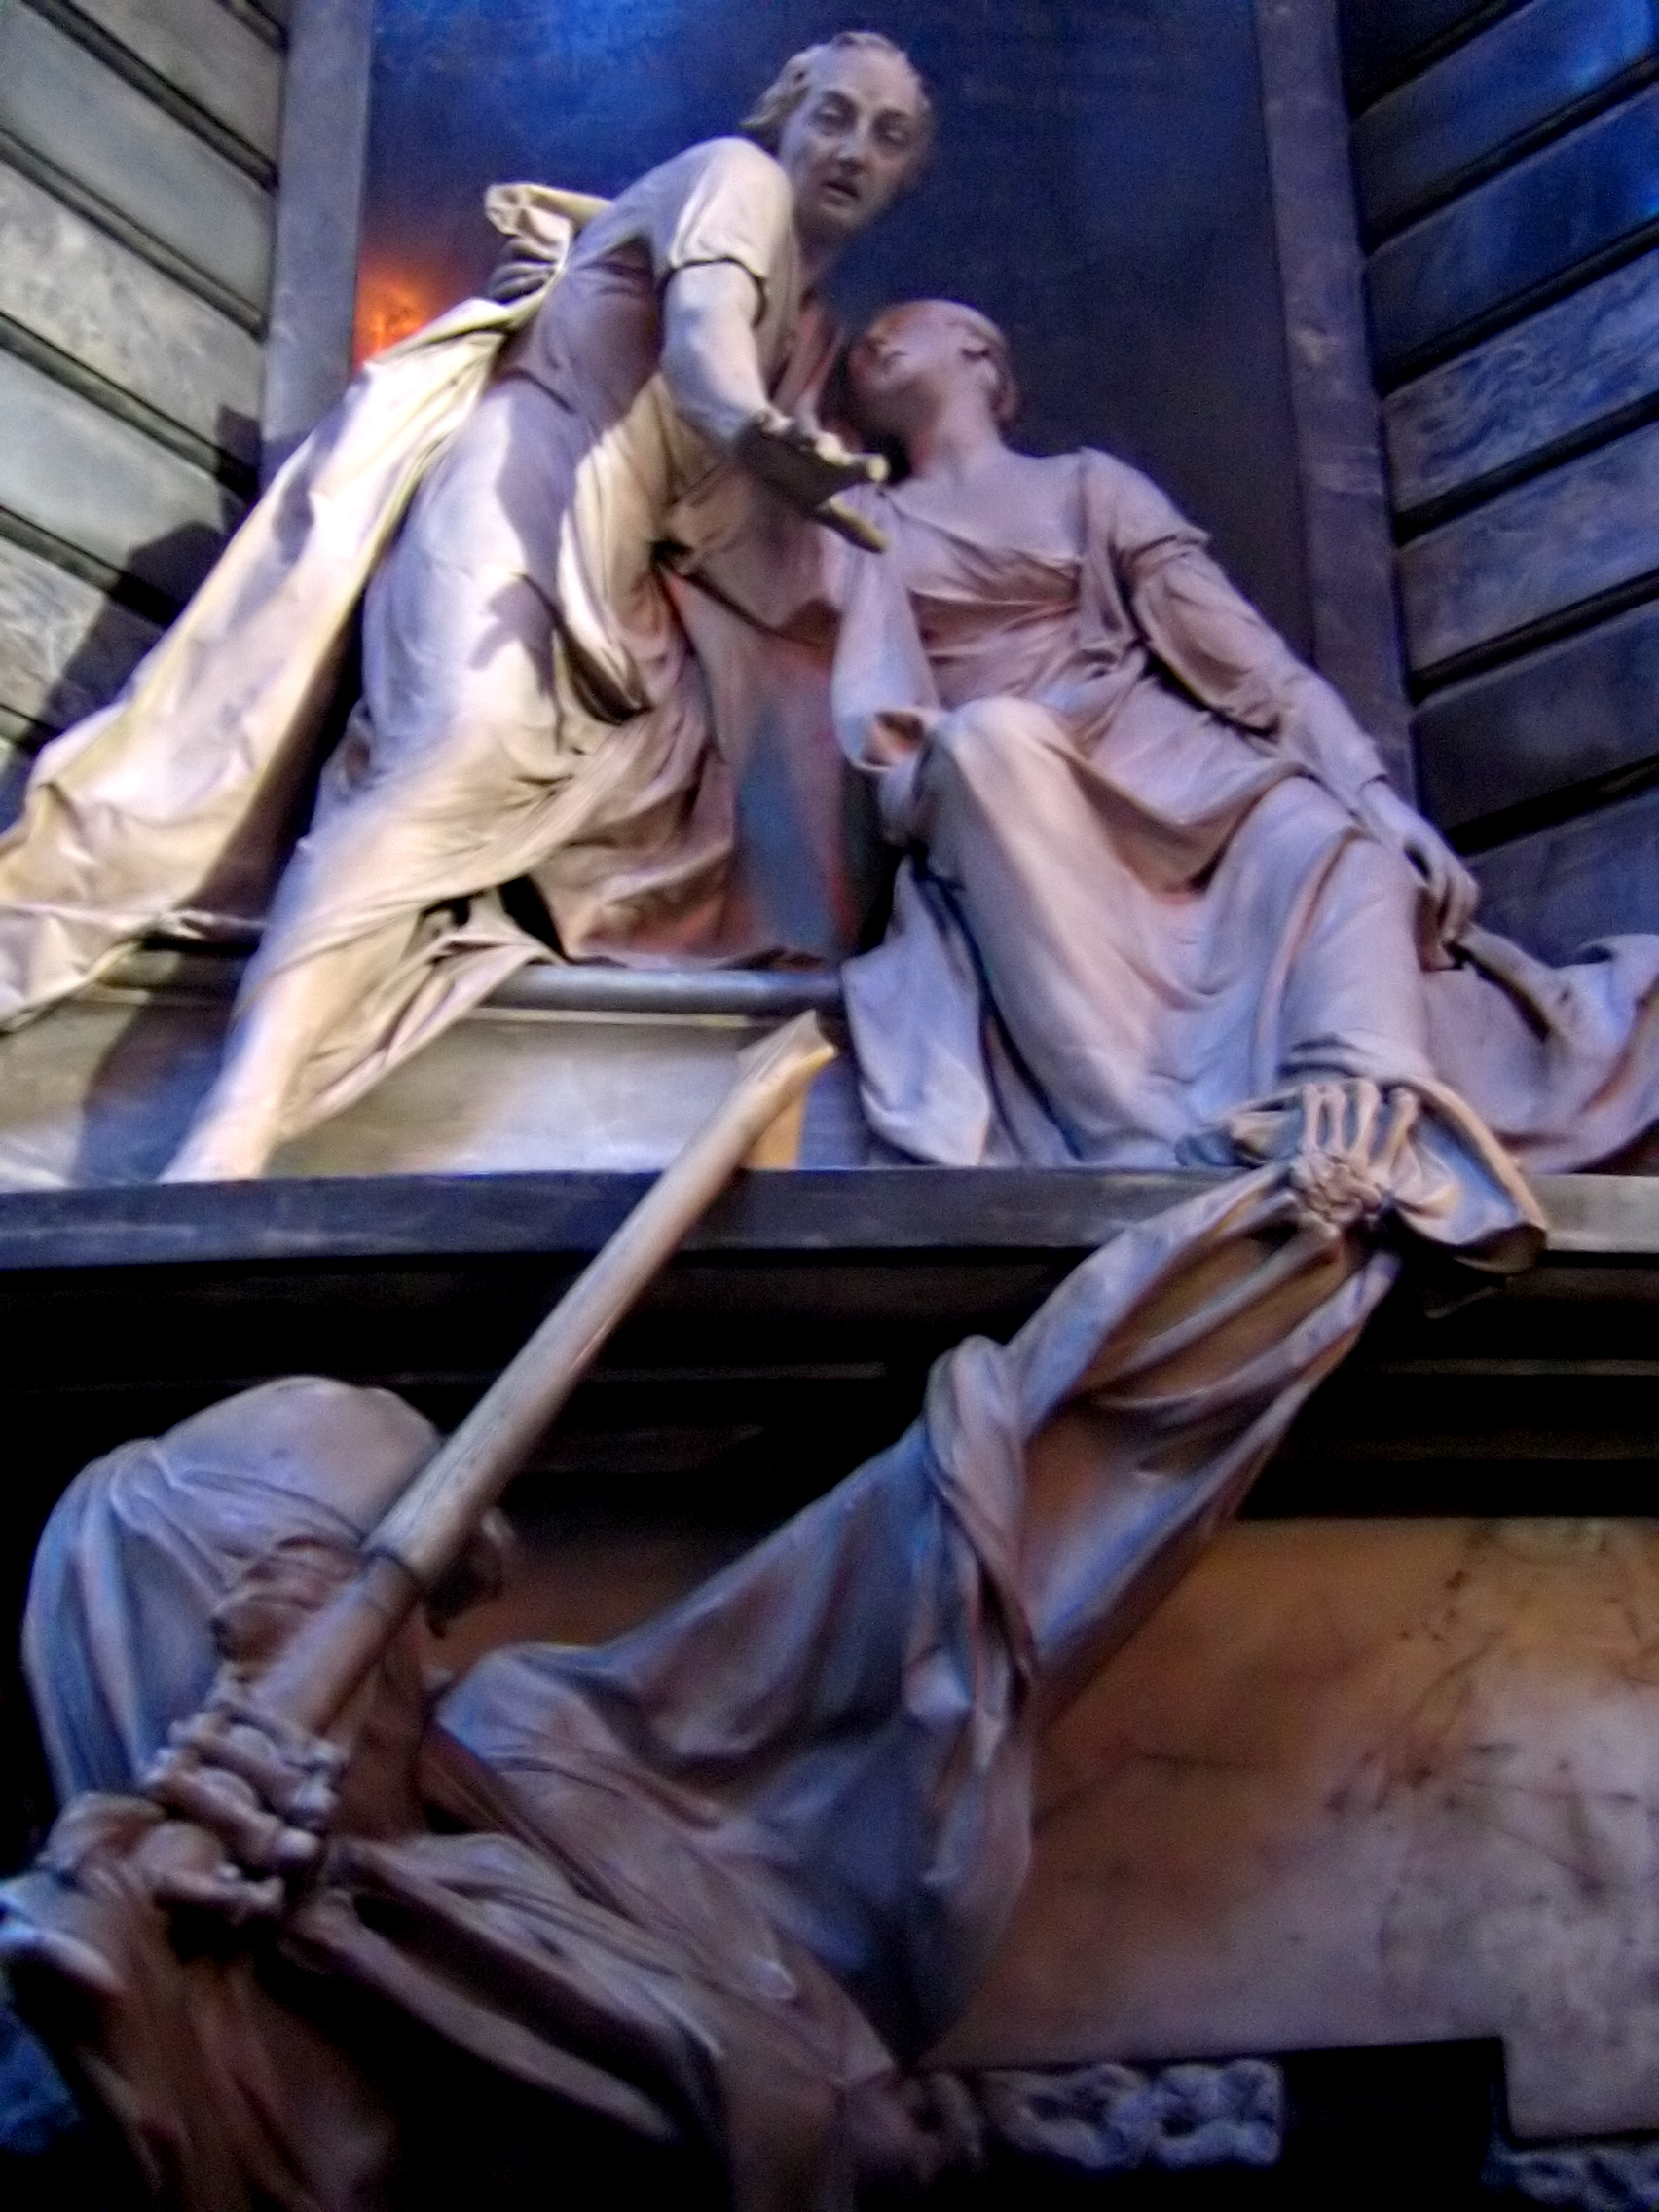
1363	1783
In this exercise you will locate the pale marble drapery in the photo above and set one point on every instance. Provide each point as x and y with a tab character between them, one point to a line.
733	1873
534	705
165	808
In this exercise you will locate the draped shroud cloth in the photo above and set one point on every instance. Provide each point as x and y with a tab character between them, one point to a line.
1136	891
725	1879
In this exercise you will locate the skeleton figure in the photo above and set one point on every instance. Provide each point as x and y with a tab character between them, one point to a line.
726	1879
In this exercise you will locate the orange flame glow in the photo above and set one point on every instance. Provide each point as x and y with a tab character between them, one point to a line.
391	304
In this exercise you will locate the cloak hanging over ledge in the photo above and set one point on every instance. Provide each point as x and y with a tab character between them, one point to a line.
728	1877
166	810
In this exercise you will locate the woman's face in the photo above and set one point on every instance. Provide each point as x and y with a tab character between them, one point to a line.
851	146
906	363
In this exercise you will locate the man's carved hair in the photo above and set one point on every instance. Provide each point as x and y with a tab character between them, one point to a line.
789	87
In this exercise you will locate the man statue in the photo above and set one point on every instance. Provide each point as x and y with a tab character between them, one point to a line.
532	706
1156	869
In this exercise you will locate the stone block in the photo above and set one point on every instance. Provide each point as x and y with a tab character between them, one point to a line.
65	648
1381	38
1362	1783
101	486
1583	708
1536	63
68	282
1558	890
101	1089
201	49
1588	195
97	129
1550	378
1583	530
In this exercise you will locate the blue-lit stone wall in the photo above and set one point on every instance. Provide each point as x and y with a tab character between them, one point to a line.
1507	159
1101	189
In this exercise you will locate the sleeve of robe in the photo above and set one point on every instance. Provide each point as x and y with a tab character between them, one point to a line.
727	200
883	697
1206	632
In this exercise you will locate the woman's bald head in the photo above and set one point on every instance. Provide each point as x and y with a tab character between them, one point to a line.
916	357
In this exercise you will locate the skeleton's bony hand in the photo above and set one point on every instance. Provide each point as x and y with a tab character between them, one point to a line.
261	1794
810	469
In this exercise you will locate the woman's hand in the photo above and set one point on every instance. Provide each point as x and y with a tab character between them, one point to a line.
1453	891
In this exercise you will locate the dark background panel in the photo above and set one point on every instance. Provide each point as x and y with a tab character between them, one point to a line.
1556	550
1559	889
1384	40
1513	152
1101	189
1563	381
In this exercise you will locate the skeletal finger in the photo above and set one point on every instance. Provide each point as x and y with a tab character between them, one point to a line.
228	1893
1365	1101
303	1793
297	1746
225	1805
1404	1108
1317	1116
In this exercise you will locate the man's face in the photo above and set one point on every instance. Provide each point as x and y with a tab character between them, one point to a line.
851	145
904	365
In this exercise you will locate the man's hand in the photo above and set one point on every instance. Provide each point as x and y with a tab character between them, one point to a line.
809	468
1453	890
713	374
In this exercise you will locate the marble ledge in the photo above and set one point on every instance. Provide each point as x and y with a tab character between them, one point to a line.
577	1080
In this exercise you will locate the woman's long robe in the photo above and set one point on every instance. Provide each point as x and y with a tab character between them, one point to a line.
1138	894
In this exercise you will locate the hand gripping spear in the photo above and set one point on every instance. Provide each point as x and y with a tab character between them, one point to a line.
307	1687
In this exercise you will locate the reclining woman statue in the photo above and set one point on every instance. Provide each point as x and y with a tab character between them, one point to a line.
532	706
1155	870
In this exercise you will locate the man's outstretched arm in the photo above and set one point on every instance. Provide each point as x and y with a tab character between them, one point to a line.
711	368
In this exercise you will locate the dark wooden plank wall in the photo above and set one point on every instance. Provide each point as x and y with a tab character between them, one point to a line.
1506	157
138	149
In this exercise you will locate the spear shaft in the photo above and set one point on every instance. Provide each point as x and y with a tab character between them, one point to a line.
428	1528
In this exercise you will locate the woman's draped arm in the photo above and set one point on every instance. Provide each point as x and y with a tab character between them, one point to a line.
1214	640
884	697
1209	636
